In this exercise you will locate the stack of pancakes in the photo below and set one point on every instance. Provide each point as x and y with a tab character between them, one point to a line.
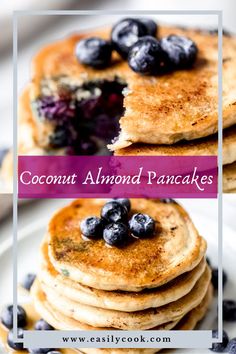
172	114
162	282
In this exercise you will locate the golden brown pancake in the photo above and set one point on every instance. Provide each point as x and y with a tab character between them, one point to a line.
201	147
174	249
138	320
59	321
117	300
158	110
207	146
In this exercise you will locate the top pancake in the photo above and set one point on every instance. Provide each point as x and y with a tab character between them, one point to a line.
174	249
158	110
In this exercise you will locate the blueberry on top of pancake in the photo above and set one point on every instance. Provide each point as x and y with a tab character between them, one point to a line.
174	248
114	101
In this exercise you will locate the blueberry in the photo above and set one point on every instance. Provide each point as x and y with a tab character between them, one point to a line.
208	261
167	200
141	225
92	227
40	350
28	280
113	211
7	317
105	127
125	33
229	310
62	136
150	25
219	347
231	348
147	56
54	109
214	278
226	33
115	234
86	147
42	325
10	340
125	202
181	51
95	52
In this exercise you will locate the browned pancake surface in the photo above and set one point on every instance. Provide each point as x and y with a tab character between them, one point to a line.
174	249
162	109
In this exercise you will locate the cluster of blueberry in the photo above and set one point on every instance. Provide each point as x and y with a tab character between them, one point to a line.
135	40
22	321
114	226
229	315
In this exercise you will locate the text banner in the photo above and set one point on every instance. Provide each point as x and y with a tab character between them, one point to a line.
111	176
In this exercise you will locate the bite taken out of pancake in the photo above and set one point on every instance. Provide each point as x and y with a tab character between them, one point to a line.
160	109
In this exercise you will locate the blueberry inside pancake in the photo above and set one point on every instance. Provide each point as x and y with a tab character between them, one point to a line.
81	117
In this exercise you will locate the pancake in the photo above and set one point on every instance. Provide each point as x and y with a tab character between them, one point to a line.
29	130
229	178
117	300
202	147
158	110
139	320
175	248
188	322
58	321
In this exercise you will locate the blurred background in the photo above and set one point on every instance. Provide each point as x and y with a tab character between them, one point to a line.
34	31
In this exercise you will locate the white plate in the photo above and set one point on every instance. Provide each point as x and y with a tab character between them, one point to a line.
28	250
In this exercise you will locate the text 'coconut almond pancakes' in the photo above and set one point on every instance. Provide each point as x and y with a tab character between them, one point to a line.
135	88
140	266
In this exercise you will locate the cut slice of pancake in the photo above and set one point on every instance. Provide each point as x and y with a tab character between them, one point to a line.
158	110
59	321
229	178
139	320
175	248
202	147
117	300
